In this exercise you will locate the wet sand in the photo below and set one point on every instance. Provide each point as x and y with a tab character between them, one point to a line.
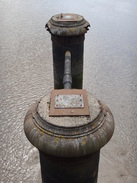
110	74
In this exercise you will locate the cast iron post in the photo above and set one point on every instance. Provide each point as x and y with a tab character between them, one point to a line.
68	126
67	33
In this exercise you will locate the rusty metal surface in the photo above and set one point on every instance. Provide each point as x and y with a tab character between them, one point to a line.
74	25
71	109
69	141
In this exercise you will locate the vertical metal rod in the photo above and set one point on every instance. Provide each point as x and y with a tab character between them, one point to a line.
67	78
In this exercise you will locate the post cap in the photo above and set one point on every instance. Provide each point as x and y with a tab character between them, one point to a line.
67	24
69	136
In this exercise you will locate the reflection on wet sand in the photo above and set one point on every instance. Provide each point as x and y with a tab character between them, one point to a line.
110	71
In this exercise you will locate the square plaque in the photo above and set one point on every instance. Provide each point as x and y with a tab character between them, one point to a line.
69	102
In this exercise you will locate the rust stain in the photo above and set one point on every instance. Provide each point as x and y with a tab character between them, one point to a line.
42	132
56	139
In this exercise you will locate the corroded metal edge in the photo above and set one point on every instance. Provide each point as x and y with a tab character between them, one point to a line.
68	146
69	111
65	29
69	31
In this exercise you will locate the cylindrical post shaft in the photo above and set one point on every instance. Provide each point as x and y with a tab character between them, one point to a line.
68	33
69	170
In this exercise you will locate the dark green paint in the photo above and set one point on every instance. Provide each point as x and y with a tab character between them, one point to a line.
69	170
75	45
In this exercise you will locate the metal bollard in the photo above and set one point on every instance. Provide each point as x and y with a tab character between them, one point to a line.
67	33
69	127
69	146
